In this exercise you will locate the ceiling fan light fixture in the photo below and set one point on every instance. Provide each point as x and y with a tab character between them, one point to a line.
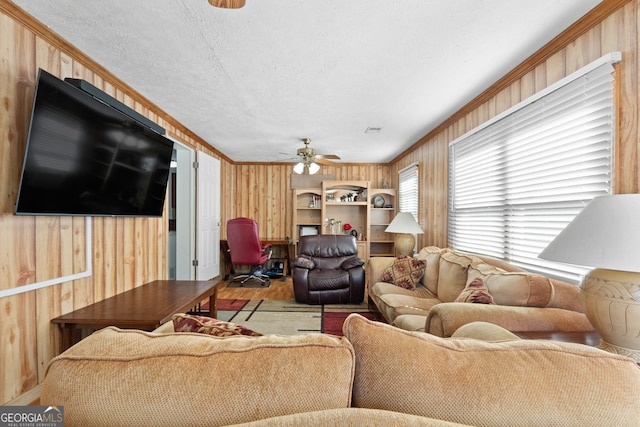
299	168
313	168
306	169
227	4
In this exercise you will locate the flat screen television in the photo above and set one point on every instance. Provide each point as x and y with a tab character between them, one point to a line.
85	157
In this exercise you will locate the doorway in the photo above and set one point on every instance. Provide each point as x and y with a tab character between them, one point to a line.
182	231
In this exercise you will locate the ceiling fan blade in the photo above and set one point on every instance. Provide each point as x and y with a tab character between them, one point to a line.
325	162
227	4
327	156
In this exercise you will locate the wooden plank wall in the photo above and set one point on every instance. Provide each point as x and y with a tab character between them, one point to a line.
126	252
263	192
613	26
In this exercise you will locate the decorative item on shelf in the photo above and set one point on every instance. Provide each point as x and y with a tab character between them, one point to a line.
346	228
315	201
404	226
328	224
378	202
606	235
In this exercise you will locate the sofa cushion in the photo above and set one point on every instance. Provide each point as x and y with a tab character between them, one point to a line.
207	325
328	279
405	272
475	292
431	255
452	275
127	377
394	305
514	288
383	295
354	417
410	322
522	382
484	331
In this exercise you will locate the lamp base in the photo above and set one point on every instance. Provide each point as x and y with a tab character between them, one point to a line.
611	302
404	244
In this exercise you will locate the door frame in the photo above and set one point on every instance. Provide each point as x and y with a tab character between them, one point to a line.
185	249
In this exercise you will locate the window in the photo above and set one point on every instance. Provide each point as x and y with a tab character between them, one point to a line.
408	190
518	180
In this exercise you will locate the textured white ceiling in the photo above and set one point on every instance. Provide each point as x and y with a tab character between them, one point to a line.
253	81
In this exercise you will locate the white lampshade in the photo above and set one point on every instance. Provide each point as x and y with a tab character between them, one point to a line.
605	234
405	226
404	222
310	170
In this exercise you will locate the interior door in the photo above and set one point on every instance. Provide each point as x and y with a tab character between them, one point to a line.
184	251
207	217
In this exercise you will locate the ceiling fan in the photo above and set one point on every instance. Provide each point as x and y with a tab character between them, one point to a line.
309	160
227	4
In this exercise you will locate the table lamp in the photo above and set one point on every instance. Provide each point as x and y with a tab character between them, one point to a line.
606	235
404	226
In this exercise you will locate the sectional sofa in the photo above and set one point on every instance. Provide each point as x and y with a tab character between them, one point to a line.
444	298
376	375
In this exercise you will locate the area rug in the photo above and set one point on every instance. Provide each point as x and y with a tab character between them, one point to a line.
289	317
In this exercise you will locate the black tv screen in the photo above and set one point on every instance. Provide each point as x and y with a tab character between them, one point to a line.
84	157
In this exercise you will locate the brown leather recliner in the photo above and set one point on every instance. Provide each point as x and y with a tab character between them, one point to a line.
328	270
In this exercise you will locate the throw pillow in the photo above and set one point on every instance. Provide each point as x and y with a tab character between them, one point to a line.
475	292
405	272
209	326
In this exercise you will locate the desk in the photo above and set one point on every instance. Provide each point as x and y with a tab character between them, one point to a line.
228	265
145	307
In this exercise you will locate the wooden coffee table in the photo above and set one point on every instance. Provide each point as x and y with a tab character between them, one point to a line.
145	307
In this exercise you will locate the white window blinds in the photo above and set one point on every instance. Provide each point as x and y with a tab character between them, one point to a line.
517	181
408	190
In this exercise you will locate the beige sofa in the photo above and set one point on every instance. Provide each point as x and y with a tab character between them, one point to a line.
523	301
376	375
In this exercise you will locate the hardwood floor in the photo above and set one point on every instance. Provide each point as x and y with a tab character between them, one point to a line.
278	290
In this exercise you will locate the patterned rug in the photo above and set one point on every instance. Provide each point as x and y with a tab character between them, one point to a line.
289	317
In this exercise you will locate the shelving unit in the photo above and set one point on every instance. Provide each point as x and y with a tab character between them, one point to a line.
346	202
380	242
307	212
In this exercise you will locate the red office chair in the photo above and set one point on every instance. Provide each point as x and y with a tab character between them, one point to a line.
246	248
